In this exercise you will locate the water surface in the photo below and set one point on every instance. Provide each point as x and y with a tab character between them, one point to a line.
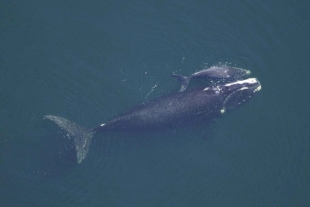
89	61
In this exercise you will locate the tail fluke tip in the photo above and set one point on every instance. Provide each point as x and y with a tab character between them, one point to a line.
82	136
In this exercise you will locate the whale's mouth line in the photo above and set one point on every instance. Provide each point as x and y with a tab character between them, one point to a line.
228	98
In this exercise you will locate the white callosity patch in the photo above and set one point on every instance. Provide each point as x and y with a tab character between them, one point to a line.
250	80
258	89
222	111
102	124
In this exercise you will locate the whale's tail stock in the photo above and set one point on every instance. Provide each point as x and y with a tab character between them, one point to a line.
82	136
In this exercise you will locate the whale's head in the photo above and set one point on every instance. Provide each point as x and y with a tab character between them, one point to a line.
236	93
237	73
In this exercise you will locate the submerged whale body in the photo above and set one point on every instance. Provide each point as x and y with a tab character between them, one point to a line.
168	111
217	73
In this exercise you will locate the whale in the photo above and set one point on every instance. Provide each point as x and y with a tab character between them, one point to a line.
195	106
216	74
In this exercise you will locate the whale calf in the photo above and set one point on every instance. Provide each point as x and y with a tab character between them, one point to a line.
219	73
173	110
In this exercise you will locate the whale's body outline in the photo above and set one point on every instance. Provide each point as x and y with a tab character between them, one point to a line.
168	111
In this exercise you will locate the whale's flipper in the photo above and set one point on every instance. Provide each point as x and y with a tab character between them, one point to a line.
184	81
82	137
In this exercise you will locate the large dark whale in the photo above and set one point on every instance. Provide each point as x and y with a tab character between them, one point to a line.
216	74
172	110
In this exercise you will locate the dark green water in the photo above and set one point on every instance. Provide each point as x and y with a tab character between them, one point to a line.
89	61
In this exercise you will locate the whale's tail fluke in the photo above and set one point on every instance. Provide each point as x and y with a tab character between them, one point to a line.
82	137
183	80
